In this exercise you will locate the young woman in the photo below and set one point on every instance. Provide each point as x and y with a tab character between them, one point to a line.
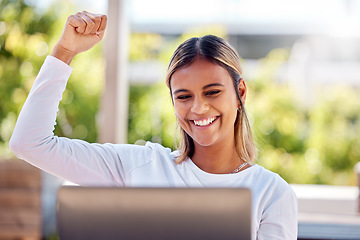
216	150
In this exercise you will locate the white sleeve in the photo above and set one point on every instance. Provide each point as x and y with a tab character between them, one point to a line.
33	139
279	221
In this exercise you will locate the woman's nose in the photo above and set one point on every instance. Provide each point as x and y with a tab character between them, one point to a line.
199	106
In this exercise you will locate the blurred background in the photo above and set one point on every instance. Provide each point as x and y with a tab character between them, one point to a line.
300	59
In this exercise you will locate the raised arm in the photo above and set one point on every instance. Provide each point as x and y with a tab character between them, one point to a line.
81	32
33	139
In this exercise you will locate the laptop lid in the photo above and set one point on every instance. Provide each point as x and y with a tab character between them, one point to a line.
154	213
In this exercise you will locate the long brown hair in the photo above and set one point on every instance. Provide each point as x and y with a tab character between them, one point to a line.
218	51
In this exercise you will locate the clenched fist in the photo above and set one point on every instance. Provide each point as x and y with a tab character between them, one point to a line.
81	32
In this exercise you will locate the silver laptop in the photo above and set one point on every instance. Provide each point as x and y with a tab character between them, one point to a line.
154	213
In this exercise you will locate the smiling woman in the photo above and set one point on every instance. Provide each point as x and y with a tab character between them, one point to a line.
204	78
208	95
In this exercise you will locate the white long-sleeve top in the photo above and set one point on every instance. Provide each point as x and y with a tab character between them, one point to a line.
274	204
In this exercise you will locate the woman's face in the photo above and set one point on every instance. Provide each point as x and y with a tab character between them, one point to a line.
205	102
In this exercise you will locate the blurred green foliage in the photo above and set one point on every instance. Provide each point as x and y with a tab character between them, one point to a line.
305	143
314	143
23	44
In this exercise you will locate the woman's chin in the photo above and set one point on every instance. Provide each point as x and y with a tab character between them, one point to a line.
204	142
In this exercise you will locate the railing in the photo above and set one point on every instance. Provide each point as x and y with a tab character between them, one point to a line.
329	212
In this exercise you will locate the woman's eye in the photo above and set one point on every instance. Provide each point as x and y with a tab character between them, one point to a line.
214	92
183	97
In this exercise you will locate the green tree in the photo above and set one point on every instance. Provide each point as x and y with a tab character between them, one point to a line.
305	144
23	43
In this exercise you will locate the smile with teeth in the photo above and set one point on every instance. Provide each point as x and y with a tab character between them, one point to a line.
204	122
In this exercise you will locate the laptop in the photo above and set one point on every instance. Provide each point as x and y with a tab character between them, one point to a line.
153	213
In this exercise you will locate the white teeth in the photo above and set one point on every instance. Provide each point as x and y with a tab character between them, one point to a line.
204	122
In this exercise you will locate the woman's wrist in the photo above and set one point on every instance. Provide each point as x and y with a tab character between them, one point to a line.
63	54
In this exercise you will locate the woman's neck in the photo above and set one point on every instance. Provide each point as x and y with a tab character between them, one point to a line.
218	158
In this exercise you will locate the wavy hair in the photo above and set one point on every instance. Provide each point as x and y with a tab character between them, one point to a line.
216	50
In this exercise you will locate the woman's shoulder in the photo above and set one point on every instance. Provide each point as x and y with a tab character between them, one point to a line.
266	179
264	173
145	148
275	204
142	154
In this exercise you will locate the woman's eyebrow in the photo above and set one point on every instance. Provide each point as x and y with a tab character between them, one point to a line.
180	90
213	85
206	86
